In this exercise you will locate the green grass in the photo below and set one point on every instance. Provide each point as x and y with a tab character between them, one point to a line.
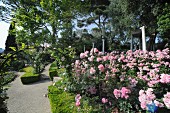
28	78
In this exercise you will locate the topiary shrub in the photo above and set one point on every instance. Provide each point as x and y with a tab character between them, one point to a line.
30	78
61	101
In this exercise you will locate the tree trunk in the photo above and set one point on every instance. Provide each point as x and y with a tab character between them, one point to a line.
151	46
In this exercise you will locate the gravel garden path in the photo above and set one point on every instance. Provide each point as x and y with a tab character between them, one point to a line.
29	98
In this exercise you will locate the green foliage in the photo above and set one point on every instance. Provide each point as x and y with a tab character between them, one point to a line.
28	78
8	77
28	69
61	102
5	63
10	44
53	70
17	65
164	22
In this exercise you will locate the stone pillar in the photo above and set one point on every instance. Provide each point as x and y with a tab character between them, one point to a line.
103	45
143	38
131	45
93	45
84	48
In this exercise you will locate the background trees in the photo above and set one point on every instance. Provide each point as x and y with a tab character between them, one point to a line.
54	21
128	15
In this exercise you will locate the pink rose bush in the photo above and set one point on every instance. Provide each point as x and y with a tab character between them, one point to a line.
136	79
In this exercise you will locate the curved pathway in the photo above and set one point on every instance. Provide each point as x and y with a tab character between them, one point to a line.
29	98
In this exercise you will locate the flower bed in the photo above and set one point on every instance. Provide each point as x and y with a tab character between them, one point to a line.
128	82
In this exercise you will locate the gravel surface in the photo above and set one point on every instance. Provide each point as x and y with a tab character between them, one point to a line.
29	98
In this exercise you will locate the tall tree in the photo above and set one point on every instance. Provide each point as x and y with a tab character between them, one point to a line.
128	15
11	38
164	23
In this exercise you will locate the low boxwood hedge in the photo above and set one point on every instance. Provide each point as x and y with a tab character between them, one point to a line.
61	101
30	78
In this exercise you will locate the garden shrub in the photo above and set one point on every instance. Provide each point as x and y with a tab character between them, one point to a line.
61	101
17	65
28	69
8	77
30	78
53	70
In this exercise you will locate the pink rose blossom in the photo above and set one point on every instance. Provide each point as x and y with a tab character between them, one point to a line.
99	59
105	58
125	92
77	62
78	97
147	97
104	100
117	93
165	78
96	50
92	70
158	104
77	103
91	58
143	105
166	100
100	53
82	55
114	70
101	67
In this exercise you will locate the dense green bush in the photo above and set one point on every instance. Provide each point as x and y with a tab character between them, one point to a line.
17	65
30	78
61	101
8	77
53	70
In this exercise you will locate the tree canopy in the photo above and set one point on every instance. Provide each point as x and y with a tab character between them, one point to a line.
54	21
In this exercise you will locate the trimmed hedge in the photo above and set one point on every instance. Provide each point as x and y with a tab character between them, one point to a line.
60	101
30	78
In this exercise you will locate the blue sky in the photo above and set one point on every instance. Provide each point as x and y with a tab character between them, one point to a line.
3	33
